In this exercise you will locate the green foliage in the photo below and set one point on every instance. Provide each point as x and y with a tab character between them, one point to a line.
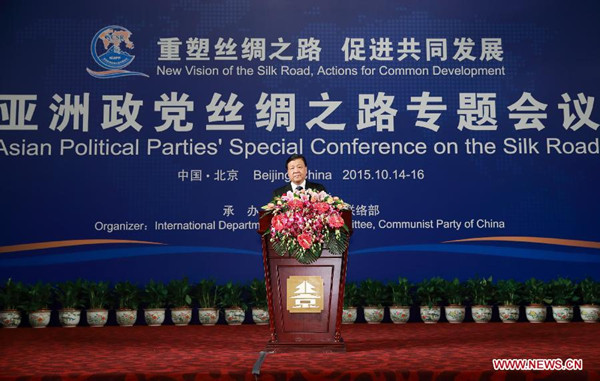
481	291
258	294
96	294
400	292
536	292
563	292
12	295
373	293
509	292
206	292
178	293
126	296
155	295
589	291
351	295
69	294
38	297
430	291
231	296
455	292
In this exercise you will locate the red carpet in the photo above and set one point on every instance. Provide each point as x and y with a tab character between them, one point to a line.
381	352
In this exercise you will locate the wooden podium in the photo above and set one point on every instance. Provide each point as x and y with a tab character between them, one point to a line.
307	320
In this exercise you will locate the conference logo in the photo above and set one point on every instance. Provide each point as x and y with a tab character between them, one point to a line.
111	49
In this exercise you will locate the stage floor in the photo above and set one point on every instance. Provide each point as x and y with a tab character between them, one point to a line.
413	351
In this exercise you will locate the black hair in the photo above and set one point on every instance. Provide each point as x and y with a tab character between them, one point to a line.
294	157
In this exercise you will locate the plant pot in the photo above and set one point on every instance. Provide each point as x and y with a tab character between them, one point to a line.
509	313
373	315
430	315
181	316
481	314
399	314
208	316
126	317
260	316
154	317
97	317
454	313
10	318
69	317
234	316
536	313
562	314
590	313
349	315
39	318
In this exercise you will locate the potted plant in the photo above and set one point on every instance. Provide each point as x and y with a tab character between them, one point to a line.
351	303
232	301
589	291
206	293
536	293
126	297
373	294
68	295
400	293
481	291
96	295
509	294
562	292
39	298
11	300
155	299
258	299
455	295
430	293
178	295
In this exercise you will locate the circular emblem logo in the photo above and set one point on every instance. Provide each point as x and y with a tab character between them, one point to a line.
111	46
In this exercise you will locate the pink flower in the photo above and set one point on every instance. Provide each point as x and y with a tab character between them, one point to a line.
295	204
277	222
305	240
335	220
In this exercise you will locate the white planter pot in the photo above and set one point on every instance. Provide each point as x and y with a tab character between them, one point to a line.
126	318
154	317
481	314
40	318
96	318
399	314
260	316
509	313
430	315
181	316
69	317
454	313
590	313
535	313
234	316
373	315
562	314
10	318
349	315
208	316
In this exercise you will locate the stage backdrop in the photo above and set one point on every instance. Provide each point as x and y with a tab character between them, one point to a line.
139	139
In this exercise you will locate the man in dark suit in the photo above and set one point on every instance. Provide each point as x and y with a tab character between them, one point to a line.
297	170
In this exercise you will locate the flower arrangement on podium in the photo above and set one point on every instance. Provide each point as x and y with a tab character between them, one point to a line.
305	222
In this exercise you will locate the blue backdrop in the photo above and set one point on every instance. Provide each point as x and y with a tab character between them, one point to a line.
138	141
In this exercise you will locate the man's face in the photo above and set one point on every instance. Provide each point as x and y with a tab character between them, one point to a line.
297	171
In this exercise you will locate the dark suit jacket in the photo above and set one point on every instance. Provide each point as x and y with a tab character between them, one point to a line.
288	187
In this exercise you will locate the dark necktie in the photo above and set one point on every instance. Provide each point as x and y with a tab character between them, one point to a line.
299	188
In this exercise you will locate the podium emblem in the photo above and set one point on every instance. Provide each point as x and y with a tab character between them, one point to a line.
305	294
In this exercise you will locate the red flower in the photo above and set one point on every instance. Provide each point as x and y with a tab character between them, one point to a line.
295	204
277	222
305	240
335	220
321	207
